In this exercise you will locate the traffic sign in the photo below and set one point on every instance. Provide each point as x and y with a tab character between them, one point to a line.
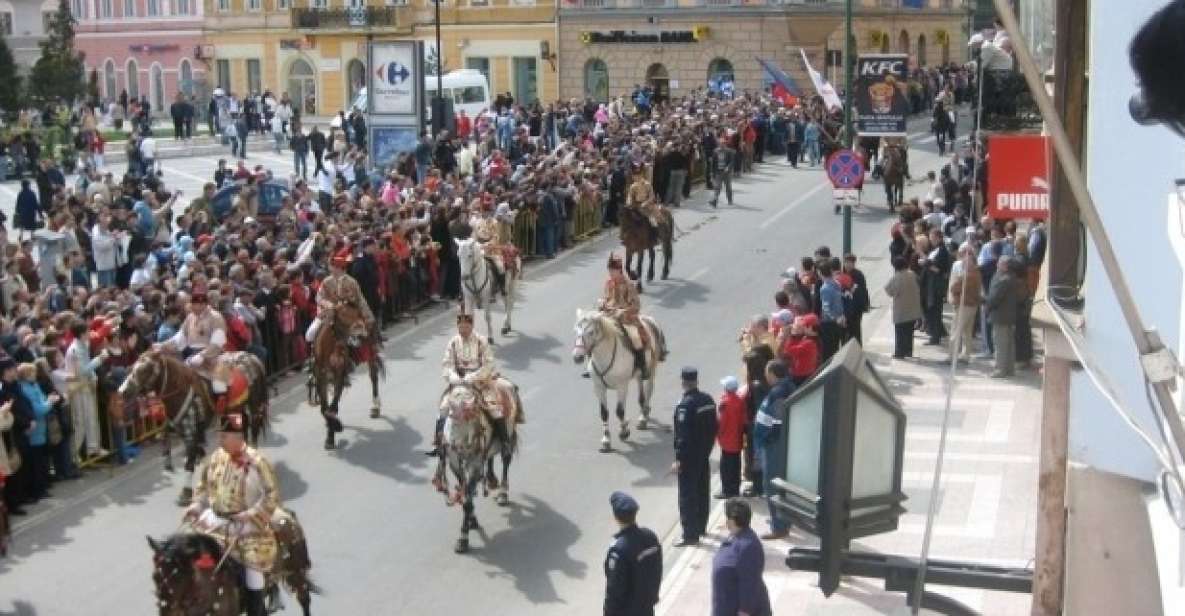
845	169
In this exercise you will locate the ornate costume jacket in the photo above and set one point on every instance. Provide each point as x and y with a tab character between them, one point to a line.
620	298
205	332
343	289
226	487
468	356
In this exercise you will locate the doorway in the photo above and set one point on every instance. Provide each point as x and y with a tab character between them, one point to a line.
659	81
302	87
526	81
355	80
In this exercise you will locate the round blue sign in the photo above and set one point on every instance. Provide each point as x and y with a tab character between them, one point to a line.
845	169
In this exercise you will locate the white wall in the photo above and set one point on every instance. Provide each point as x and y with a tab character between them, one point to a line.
1131	171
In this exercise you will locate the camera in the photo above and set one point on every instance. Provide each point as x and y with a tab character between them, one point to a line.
1155	53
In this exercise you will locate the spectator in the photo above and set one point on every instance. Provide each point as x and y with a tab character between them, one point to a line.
1004	300
633	566
732	419
907	307
966	294
767	427
833	316
858	302
737	568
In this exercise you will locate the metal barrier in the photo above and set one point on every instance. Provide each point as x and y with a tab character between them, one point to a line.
586	218
523	234
140	424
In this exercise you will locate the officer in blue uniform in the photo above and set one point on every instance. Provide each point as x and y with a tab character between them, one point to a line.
633	566
695	436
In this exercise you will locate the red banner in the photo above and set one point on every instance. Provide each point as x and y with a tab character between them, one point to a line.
1018	176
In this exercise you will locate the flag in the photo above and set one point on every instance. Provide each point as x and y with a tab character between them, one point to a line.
830	98
784	88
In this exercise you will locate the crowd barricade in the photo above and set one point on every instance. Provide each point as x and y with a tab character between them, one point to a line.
123	426
586	218
523	234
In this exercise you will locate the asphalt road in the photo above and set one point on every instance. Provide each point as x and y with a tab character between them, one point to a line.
381	538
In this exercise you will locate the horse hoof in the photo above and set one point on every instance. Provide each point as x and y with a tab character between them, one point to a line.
643	424
490	339
605	446
624	435
168	467
330	445
185	498
505	330
502	500
375	413
334	423
462	546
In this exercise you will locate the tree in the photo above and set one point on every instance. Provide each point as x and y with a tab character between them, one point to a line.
10	94
59	72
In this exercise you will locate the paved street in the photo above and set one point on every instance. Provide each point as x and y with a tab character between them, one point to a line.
381	538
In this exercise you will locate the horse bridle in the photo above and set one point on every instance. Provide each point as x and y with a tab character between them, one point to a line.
589	348
472	277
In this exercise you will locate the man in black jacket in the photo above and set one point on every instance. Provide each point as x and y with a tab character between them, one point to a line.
695	436
366	271
177	112
859	302
317	144
633	566
708	147
16	438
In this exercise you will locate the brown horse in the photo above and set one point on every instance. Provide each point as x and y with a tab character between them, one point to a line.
894	175
189	403
342	342
192	576
639	237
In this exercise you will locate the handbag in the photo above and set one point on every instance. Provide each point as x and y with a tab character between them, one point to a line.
53	424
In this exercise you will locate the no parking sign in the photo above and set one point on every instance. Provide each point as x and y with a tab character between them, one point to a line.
845	169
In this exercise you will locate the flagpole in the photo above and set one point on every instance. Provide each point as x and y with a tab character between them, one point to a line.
848	62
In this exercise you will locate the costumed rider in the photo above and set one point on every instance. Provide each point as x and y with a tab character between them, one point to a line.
641	199
469	360
235	495
339	288
200	341
620	301
486	230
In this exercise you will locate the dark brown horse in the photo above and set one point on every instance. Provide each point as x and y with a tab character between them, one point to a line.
639	238
894	165
192	576
342	342
189	404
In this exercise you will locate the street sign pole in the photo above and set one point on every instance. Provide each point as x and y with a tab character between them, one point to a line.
848	62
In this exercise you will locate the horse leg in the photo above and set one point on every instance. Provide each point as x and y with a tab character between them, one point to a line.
503	499
167	446
667	250
650	272
511	283
192	456
645	392
489	316
462	545
376	406
605	446
624	432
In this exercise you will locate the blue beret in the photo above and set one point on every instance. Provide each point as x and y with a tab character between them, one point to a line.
690	374
622	503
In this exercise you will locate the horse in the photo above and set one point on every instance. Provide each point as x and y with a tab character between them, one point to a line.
639	237
189	403
343	331
871	148
894	175
603	340
193	575
477	281
469	447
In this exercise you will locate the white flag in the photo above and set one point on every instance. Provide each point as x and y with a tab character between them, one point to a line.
830	98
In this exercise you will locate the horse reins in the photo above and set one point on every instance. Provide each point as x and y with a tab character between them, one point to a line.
472	277
612	361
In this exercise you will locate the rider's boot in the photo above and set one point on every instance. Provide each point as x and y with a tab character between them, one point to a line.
255	604
437	438
640	362
500	431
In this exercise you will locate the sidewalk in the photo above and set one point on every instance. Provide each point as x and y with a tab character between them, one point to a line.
987	500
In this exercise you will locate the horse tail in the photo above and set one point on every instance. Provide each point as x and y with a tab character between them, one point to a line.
659	337
519	417
260	395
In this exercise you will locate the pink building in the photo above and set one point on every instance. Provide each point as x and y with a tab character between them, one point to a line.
148	48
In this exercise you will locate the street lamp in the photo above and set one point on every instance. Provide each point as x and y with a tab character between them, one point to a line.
844	443
438	121
848	63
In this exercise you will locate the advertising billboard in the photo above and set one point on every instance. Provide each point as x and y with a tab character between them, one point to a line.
882	95
1018	176
395	78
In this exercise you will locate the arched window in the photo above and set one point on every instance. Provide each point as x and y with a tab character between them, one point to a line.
132	79
903	43
658	79
885	42
302	86
110	87
720	73
596	80
946	53
185	83
922	50
157	76
355	79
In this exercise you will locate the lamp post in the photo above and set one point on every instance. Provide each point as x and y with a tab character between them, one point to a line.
438	99
848	63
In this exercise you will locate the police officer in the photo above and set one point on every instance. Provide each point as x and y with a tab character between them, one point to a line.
633	566
695	435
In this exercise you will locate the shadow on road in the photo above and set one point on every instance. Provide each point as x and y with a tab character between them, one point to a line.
292	485
392	451
523	349
20	608
518	556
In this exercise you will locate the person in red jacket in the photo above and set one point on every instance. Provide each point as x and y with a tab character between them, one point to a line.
801	348
730	432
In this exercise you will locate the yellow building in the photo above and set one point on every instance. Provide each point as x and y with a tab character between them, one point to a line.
315	50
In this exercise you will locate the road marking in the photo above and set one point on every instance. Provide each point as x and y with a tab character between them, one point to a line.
184	174
799	201
700	272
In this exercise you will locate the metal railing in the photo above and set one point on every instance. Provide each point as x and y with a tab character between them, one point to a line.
360	17
1007	103
586	218
524	233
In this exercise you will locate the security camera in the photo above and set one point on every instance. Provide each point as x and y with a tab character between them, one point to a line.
1155	54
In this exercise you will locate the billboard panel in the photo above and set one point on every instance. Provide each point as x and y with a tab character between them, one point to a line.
393	77
882	95
1018	176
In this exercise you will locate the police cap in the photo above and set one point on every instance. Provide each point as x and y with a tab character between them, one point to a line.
689	374
622	504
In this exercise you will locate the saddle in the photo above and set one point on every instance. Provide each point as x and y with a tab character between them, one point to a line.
238	390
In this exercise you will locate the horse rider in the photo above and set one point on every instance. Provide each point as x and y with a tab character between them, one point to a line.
469	360
235	495
487	231
620	301
200	341
339	288
640	197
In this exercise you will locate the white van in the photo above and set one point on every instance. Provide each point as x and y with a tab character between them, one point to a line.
467	88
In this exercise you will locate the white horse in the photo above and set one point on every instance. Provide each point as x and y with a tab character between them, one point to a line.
601	339
478	284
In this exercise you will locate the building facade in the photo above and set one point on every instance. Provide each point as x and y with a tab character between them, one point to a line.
609	46
22	24
147	48
315	50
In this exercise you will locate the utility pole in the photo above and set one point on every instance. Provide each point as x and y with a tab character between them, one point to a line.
848	63
438	100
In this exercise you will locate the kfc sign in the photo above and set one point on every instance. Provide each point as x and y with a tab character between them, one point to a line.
1018	176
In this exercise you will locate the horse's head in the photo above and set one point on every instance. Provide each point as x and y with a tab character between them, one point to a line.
588	333
468	254
349	324
144	376
187	576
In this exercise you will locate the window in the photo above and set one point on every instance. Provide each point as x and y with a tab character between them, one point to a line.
720	76
132	80
129	8
253	5
224	75
106	8
526	80
470	94
596	80
109	84
186	83
319	4
223	5
157	75
153	7
180	7
396	2
254	77
78	9
283	5
6	24
479	2
479	64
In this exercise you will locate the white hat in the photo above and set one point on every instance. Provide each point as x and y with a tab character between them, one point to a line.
975	39
730	383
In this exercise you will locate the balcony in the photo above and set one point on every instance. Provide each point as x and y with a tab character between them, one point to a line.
1007	103
345	18
592	5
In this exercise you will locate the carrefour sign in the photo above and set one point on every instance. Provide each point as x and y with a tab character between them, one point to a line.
393	78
